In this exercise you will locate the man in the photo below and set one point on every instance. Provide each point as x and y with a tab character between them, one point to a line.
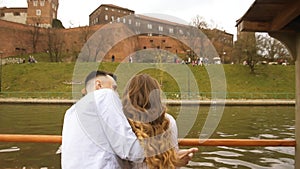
96	133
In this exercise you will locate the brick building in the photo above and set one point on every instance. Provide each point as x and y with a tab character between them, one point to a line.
106	13
18	15
160	34
39	13
150	33
223	42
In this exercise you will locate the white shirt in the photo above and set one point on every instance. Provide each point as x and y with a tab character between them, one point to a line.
97	135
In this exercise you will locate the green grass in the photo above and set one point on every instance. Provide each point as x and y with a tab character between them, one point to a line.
268	81
52	80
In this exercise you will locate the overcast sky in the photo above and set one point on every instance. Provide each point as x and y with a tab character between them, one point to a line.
223	13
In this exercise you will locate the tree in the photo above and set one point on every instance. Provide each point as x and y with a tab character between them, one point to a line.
219	38
245	49
55	43
271	48
85	32
56	23
199	22
35	34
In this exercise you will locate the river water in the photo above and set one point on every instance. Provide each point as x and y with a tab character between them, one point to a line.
271	122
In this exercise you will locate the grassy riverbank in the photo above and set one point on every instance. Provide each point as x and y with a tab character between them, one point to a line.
54	80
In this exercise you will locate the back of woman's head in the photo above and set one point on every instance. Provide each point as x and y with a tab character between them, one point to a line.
142	99
143	107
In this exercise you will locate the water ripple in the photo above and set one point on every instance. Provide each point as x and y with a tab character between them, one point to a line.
281	163
224	153
267	136
226	135
199	164
12	149
283	150
235	163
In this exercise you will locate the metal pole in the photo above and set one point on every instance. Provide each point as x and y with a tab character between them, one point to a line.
1	71
189	88
182	142
297	112
292	41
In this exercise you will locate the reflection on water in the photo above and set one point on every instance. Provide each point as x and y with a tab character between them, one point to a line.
236	123
30	119
11	149
248	123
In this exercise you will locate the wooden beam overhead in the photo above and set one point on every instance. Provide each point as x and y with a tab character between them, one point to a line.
271	16
286	15
253	26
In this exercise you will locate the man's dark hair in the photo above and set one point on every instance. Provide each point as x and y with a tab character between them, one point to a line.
94	74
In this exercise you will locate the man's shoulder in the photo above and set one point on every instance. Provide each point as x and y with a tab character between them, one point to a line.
105	94
96	95
71	109
104	91
170	117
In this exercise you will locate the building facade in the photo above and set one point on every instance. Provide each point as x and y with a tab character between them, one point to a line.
107	13
161	34
17	15
41	12
223	42
149	33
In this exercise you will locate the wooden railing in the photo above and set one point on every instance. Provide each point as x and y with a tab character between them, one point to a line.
182	142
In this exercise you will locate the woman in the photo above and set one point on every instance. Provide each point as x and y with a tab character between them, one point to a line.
155	129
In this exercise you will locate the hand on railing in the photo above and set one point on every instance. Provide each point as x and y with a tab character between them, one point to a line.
185	155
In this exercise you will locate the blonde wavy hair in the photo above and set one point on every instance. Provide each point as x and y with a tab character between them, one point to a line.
146	114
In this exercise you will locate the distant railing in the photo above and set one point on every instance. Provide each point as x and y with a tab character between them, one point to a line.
169	95
37	95
228	95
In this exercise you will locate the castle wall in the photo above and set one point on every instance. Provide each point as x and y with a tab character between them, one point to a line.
14	38
17	39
